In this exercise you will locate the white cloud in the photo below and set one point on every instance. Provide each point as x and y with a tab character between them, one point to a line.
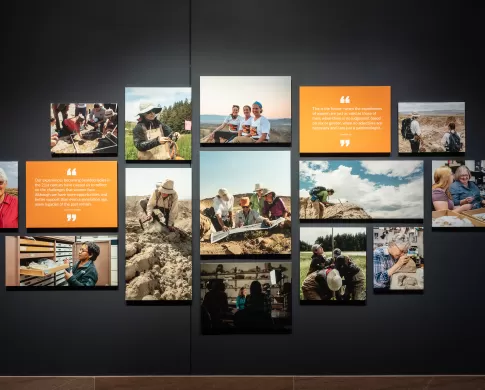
304	194
392	168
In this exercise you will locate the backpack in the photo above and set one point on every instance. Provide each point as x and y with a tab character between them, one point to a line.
454	143
406	129
314	191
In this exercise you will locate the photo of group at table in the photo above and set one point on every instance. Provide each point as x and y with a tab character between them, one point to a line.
246	298
333	266
398	259
84	128
458	194
257	111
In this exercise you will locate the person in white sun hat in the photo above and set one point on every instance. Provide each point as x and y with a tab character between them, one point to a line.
321	285
165	199
257	199
147	121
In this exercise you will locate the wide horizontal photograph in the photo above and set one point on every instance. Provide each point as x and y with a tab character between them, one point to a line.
257	111
333	266
84	129
246	297
158	252
245	210
361	190
65	262
458	194
398	259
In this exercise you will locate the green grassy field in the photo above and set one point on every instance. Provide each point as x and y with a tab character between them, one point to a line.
184	145
306	258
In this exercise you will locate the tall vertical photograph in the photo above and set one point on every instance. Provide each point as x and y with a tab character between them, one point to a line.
158	124
158	252
333	266
9	195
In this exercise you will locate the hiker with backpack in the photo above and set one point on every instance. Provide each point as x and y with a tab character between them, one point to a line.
275	208
451	140
411	131
464	191
165	199
319	196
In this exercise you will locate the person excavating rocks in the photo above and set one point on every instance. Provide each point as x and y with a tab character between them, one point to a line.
321	285
354	278
319	197
319	261
275	208
247	216
165	199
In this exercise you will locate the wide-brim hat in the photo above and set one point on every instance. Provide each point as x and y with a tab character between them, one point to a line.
108	113
257	187
148	106
414	113
334	281
223	192
266	192
244	201
166	187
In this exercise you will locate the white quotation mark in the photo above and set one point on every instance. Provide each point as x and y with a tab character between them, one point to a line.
342	142
71	172
344	100
71	217
345	142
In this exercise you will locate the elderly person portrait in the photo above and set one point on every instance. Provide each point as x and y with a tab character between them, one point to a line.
464	191
9	206
441	195
388	260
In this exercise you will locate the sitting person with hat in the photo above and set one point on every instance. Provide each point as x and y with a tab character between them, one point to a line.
321	285
148	121
165	199
259	127
275	208
223	204
257	199
247	216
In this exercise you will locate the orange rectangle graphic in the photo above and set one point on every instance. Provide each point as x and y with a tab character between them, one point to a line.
71	194
345	119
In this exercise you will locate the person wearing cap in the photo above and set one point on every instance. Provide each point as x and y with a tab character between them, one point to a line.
148	121
259	127
388	260
245	125
246	216
96	116
223	204
233	120
318	259
321	285
111	122
320	201
9	205
354	278
165	199
257	199
73	125
415	129
274	207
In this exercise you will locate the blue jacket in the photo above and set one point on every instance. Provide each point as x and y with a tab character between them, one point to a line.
460	192
240	302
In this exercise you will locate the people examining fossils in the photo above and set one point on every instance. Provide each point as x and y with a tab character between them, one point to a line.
247	216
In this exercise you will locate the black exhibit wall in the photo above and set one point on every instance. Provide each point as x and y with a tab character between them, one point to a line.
426	51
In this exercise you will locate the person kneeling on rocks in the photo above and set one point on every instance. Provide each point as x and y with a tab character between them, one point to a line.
246	216
275	208
165	199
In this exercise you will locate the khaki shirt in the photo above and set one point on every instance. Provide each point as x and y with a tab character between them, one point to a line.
170	203
252	218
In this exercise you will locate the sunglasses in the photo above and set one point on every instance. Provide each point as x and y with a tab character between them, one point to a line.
245	207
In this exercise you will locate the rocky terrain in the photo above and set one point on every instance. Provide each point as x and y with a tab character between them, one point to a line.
337	211
158	262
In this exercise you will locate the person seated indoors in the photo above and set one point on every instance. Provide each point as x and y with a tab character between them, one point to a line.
73	125
441	196
464	191
275	208
247	216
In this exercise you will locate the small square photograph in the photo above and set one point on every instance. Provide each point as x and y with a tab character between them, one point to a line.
244	209
242	110
9	192
361	190
158	253
84	129
67	262
333	266
158	124
433	128
246	297
458	194
398	259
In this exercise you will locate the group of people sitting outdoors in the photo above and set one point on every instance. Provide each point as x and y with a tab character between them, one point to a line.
262	207
326	276
246	129
456	191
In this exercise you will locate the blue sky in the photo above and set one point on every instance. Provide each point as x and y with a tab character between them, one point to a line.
141	181
240	171
12	171
384	189
163	96
431	106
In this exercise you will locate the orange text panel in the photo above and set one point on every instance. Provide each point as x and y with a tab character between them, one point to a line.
71	194
345	119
